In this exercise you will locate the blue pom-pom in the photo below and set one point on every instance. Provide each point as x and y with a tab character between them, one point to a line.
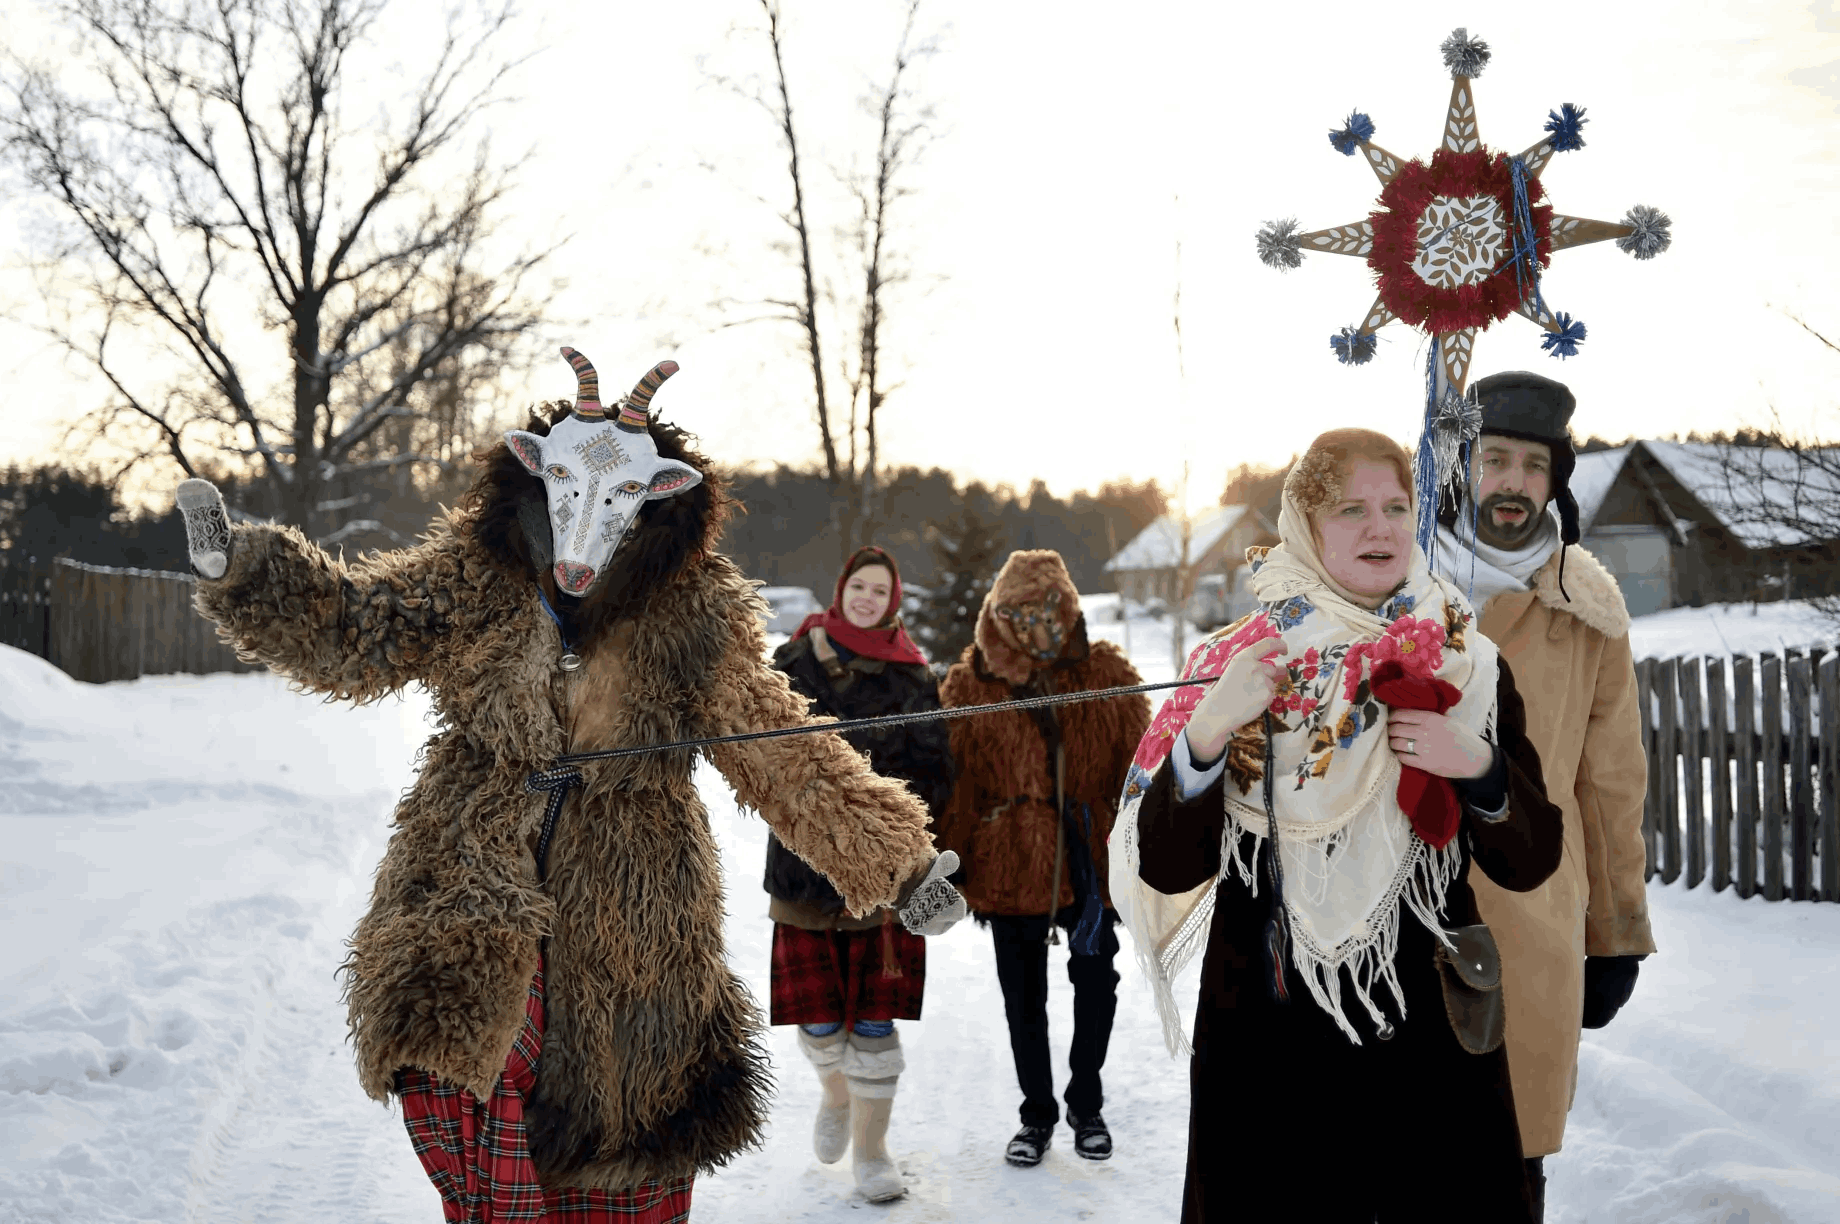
1565	341
1353	347
1350	135
1564	125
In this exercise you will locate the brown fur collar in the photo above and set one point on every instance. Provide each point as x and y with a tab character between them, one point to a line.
670	533
1026	578
1595	598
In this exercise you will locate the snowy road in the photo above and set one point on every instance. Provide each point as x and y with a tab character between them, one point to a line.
181	857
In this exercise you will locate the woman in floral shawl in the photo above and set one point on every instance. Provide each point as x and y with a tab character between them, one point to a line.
1346	1060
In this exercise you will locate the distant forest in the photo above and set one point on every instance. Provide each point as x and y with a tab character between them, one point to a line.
786	536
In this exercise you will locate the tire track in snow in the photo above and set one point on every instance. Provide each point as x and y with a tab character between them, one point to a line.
295	1138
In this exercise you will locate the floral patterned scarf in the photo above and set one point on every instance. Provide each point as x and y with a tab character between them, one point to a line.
1350	851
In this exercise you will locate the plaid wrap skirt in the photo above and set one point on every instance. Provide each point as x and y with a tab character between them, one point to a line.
822	977
478	1156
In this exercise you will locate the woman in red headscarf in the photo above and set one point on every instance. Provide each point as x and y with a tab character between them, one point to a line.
845	981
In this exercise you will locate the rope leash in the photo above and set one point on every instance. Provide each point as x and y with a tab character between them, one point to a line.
887	720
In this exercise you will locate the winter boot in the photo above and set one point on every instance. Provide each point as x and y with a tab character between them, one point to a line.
831	1136
1091	1139
1536	1185
873	1065
1030	1144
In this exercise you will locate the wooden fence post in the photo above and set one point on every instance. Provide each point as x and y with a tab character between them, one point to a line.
1829	723
1744	708
1801	780
1692	777
1667	742
1718	751
1651	803
1770	758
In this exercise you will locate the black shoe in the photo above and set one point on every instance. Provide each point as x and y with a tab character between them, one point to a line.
1026	1149
1091	1140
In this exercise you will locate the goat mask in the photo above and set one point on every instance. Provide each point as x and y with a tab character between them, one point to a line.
597	470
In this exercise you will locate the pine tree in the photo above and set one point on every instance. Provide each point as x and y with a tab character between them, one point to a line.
967	550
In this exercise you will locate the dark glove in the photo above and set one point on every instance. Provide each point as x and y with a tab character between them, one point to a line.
1608	983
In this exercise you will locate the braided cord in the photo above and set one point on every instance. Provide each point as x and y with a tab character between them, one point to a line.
889	720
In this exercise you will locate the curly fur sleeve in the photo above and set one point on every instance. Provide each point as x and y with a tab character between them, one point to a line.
1127	718
971	797
355	630
866	833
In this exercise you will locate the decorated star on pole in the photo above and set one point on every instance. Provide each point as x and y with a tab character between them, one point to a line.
1457	245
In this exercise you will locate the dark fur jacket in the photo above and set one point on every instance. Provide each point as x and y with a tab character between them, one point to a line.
1001	819
652	1060
918	754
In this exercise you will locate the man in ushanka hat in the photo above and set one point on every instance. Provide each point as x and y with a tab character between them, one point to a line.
1570	949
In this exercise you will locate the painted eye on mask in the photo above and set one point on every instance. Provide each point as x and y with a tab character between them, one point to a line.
631	488
556	471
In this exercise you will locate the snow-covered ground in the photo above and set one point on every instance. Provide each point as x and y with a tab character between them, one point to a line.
181	857
1732	629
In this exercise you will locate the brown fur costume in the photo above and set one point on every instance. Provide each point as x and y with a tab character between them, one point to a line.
1001	818
651	1063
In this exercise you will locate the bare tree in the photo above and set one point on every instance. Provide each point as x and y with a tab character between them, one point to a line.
1771	485
215	176
851	447
903	129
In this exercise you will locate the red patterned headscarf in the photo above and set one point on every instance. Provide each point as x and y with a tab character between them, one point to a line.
888	640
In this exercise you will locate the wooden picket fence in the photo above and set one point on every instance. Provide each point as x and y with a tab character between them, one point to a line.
99	623
1744	772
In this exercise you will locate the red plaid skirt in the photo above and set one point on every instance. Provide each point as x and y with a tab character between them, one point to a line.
822	977
478	1157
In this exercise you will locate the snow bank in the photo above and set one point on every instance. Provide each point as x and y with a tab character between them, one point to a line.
1732	629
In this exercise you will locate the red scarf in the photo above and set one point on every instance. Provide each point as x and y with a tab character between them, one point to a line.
887	641
1429	800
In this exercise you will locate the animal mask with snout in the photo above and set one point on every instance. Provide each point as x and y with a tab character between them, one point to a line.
597	469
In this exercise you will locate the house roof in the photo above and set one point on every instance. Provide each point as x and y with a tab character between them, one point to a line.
1159	545
1592	480
1749	487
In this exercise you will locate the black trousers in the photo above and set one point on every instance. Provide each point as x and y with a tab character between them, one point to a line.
1022	971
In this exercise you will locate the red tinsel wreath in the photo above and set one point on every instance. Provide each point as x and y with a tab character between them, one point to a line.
1395	247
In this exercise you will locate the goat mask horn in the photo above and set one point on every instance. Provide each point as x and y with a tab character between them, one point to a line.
587	387
634	408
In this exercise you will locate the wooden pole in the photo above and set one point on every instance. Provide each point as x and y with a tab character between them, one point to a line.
1770	759
1801	780
1692	777
1718	751
1651	803
1744	710
1668	741
1828	676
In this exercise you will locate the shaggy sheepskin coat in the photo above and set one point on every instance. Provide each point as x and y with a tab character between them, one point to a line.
1575	673
1001	818
652	1062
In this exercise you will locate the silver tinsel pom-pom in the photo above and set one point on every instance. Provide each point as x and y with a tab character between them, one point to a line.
1458	420
1281	245
1463	55
1654	231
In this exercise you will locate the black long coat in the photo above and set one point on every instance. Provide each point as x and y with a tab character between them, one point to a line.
1285	1110
918	754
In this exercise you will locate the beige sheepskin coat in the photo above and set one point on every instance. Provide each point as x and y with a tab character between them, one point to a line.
1572	665
652	1062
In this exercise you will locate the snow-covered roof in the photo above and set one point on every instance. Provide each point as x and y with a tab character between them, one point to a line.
1159	546
1763	484
1591	481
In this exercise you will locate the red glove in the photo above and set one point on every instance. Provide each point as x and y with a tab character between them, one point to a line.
1430	801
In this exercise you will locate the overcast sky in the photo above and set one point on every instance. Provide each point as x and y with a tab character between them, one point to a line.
1077	145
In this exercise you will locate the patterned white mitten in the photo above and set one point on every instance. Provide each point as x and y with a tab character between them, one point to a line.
207	527
935	905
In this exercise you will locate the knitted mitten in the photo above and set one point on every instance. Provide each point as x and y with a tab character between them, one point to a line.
934	906
872	1065
207	527
831	1136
